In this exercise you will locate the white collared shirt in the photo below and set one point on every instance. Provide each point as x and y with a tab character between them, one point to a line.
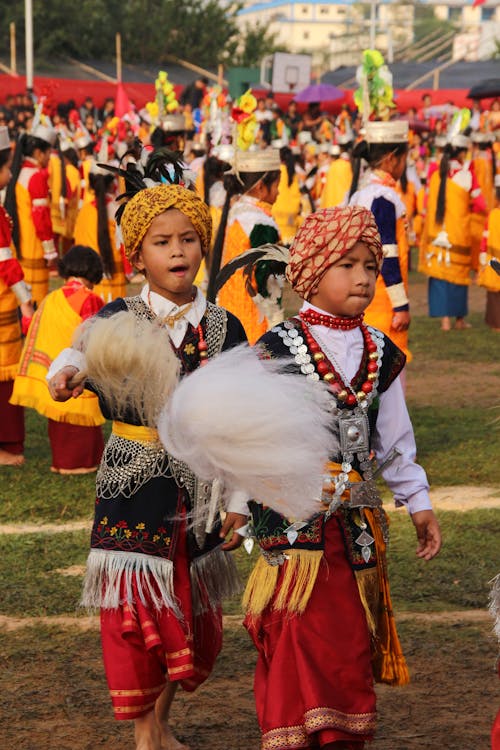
163	307
406	479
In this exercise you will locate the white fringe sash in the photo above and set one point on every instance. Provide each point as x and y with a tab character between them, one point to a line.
153	576
213	577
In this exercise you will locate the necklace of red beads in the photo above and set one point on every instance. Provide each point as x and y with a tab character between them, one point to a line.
325	369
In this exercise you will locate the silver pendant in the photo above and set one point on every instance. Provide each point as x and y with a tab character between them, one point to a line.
365	539
292	535
293	333
354	434
248	544
365	494
366	553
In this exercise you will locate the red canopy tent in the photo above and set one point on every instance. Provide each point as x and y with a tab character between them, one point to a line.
63	89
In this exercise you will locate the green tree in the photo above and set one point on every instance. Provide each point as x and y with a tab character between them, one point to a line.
201	31
256	42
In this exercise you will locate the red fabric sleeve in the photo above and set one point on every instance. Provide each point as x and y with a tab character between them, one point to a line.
38	188
91	306
11	271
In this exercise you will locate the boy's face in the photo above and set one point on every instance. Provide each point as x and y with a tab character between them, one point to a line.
170	256
347	287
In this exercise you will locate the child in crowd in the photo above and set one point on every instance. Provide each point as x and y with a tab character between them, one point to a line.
490	249
385	148
14	294
74	428
157	579
245	223
318	604
446	244
95	226
28	202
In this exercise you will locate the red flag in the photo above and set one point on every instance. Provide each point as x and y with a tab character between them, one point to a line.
478	2
122	102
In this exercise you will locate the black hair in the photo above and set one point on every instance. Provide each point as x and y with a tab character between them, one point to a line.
213	171
403	181
5	155
373	153
71	155
450	152
64	187
32	143
287	158
100	184
233	187
83	262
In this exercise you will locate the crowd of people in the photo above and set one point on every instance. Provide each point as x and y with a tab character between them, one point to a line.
212	232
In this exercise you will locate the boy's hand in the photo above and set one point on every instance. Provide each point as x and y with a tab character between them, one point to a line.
401	321
58	384
232	521
428	534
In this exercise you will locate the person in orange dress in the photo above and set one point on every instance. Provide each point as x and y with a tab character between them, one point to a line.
249	223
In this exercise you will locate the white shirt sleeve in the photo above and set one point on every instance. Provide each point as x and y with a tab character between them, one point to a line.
236	502
406	479
66	357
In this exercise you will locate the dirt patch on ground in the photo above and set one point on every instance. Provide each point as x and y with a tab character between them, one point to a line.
54	695
428	383
463	498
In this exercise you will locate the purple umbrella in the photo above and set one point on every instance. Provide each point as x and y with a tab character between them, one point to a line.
319	92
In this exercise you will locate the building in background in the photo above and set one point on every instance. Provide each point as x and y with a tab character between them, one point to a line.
335	32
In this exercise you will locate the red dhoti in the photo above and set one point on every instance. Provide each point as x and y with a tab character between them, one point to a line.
74	446
143	646
11	421
313	681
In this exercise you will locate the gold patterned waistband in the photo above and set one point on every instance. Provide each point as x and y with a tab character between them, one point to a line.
135	432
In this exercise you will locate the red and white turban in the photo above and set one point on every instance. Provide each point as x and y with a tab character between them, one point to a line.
325	237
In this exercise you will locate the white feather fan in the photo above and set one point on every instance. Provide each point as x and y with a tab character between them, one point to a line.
243	421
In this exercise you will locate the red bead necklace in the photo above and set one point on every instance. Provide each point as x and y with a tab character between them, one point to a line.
337	322
202	346
327	372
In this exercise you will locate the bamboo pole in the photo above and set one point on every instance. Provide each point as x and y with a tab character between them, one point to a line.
13	57
118	57
28	14
220	74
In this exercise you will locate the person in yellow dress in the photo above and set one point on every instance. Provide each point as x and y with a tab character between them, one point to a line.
445	250
339	175
249	223
490	249
96	227
286	210
28	203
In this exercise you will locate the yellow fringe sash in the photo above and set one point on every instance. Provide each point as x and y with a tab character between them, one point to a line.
296	587
389	664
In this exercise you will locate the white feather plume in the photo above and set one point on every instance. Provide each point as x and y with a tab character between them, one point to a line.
245	422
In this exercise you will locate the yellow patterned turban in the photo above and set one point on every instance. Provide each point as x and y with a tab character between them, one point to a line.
325	237
149	203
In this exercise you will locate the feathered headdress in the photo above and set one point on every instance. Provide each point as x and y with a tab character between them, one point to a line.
267	262
460	122
374	97
151	169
